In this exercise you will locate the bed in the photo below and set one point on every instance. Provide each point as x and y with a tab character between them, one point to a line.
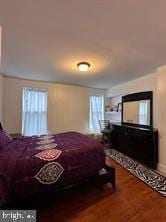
31	165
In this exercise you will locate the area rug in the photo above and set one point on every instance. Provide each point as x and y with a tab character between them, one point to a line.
147	175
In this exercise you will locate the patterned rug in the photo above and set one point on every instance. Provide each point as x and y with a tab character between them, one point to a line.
147	175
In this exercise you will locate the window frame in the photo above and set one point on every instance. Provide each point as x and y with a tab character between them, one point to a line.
102	111
22	105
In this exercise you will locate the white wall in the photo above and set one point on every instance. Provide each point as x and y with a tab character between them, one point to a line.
1	98
68	106
1	79
161	116
0	44
146	83
138	85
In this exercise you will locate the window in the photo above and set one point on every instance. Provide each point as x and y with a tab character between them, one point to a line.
96	112
144	112
34	111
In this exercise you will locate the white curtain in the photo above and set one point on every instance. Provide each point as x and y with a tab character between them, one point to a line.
96	112
34	112
143	113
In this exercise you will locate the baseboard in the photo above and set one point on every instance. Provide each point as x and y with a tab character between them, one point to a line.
161	168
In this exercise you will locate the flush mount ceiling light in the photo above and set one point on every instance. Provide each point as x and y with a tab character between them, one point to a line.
83	66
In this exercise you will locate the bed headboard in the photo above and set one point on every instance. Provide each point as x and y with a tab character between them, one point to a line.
0	126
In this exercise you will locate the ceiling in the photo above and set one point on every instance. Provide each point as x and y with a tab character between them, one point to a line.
45	39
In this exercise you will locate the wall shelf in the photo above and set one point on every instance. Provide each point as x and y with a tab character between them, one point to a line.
113	116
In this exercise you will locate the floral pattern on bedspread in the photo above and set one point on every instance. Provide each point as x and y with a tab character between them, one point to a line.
46	137
49	155
46	146
50	173
45	141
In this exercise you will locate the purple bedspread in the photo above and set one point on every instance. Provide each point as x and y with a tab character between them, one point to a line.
34	164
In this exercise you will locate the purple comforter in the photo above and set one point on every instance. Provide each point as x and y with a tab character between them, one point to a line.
35	164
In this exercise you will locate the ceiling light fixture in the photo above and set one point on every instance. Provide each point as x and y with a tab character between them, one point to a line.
83	66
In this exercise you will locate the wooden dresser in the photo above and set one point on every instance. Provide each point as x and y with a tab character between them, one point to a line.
138	143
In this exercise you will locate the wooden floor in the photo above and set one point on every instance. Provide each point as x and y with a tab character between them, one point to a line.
133	201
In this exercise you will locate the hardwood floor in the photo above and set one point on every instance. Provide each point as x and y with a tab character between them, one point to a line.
133	201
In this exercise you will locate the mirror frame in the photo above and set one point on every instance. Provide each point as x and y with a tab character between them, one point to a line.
148	95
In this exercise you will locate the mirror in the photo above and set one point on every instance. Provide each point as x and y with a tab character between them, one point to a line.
137	109
137	112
